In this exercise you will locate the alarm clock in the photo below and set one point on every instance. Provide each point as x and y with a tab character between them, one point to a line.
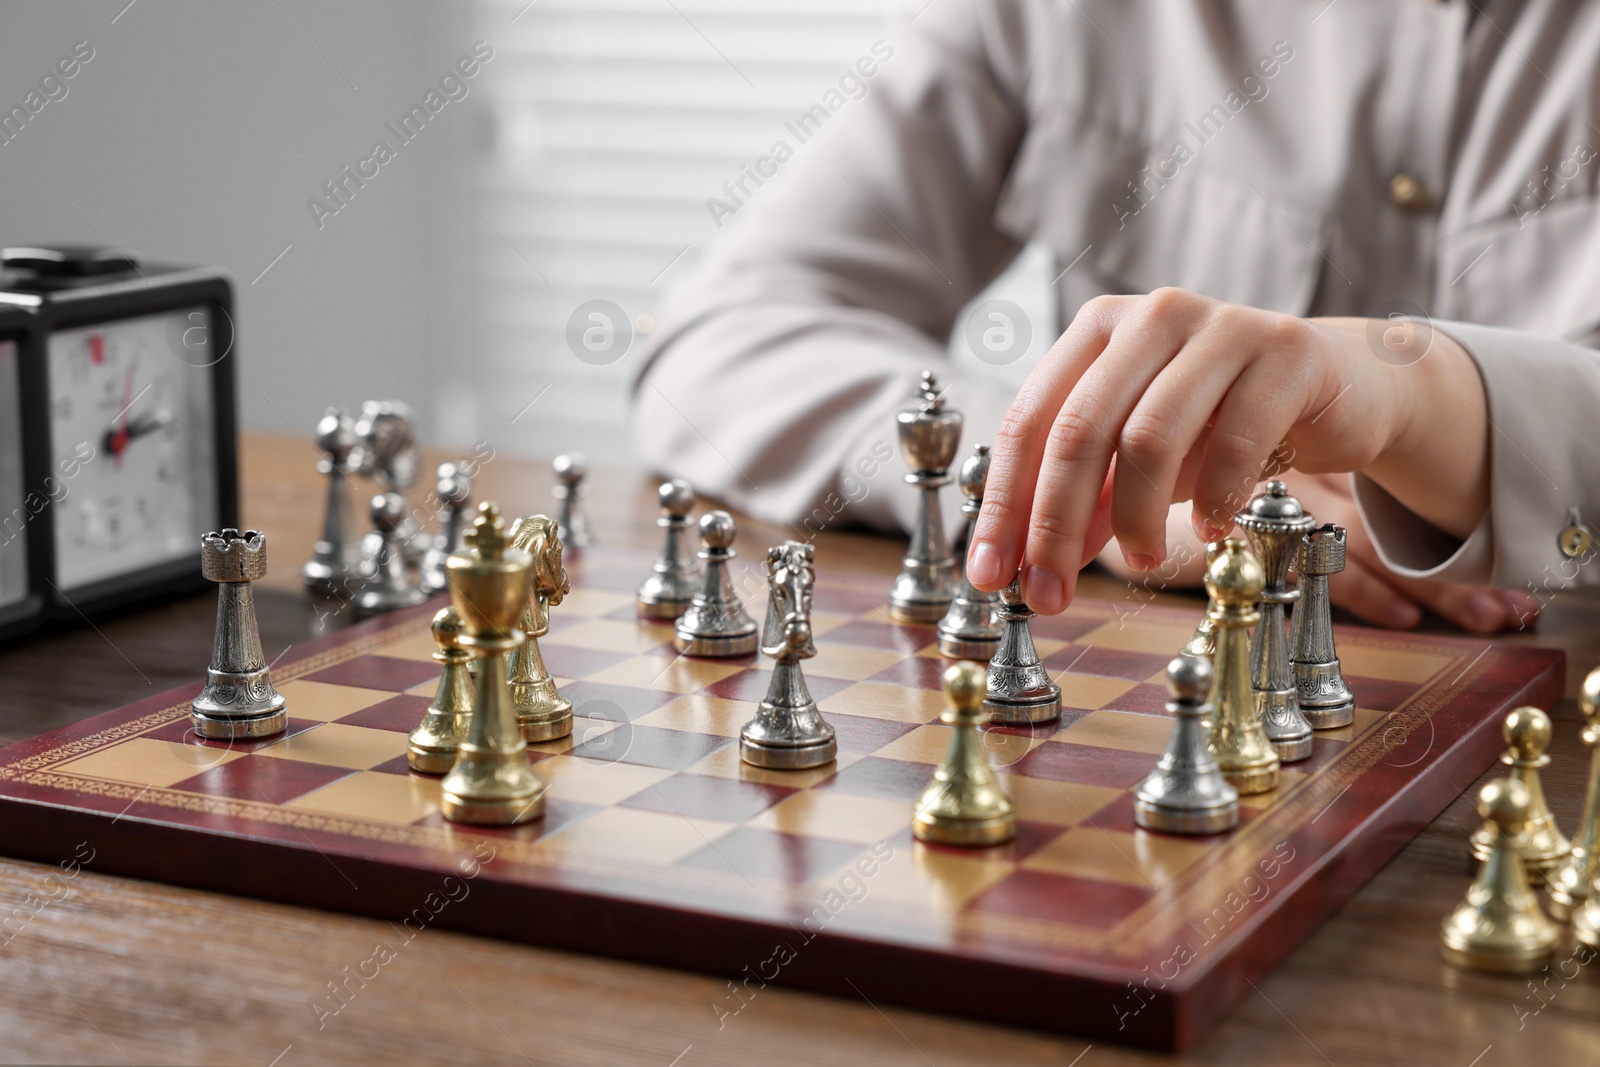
127	433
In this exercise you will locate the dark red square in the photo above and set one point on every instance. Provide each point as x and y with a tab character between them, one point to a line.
1067	762
762	854
268	778
864	734
846	598
401	714
397	765
878	777
378	672
917	672
891	637
1145	699
1379	694
1106	662
614	703
751	685
651	746
1062	898
700	796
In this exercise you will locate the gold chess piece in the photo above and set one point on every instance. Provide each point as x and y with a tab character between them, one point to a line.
1572	883
437	739
1204	642
1527	733
543	714
965	803
1498	926
492	782
1238	740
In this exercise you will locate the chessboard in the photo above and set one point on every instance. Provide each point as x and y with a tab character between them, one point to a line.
658	845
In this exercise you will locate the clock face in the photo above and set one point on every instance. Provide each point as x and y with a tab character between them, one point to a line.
130	437
14	516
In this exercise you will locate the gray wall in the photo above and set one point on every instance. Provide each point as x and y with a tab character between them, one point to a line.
196	134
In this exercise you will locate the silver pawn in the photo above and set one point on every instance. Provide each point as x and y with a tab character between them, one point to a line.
386	451
454	489
1274	523
968	630
1325	699
788	733
332	569
570	470
388	585
238	700
1021	691
1186	792
929	434
716	623
669	589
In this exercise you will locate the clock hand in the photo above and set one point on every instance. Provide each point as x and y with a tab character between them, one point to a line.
117	441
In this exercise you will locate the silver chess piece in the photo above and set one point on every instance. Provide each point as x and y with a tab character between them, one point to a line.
332	569
1021	691
1186	792
238	700
386	451
716	623
454	490
969	630
1274	523
388	583
788	732
570	470
1325	699
669	589
929	434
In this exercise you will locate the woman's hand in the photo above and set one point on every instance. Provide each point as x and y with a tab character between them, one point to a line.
1147	400
1366	588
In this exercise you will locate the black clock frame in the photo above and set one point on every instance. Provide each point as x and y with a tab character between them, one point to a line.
20	327
64	304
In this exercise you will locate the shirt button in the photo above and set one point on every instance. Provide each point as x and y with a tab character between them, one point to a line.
1407	193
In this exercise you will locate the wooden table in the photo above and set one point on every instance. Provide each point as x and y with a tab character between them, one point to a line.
119	970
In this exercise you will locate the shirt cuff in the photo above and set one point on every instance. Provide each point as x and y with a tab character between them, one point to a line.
1412	547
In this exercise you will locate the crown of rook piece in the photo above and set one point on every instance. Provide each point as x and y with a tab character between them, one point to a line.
231	556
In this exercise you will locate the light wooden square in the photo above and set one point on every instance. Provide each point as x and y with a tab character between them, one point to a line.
1287	781
583	729
594	782
146	761
324	702
699	714
397	799
583	603
725	763
932	880
1120	729
1390	664
613	635
1061	803
1142	859
850	662
638	836
337	744
418	647
1137	634
929	743
1090	691
673	674
836	817
880	700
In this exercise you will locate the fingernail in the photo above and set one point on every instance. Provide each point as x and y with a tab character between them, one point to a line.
1140	561
1485	611
1207	531
983	564
1044	592
1403	615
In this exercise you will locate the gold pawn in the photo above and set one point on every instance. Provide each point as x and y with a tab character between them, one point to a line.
1573	883
543	714
965	803
1498	925
492	782
1204	641
1234	579
1527	733
437	739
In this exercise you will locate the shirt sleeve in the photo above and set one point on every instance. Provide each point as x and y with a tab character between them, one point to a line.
1541	391
773	377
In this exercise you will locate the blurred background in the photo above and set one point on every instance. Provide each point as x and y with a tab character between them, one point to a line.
574	165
